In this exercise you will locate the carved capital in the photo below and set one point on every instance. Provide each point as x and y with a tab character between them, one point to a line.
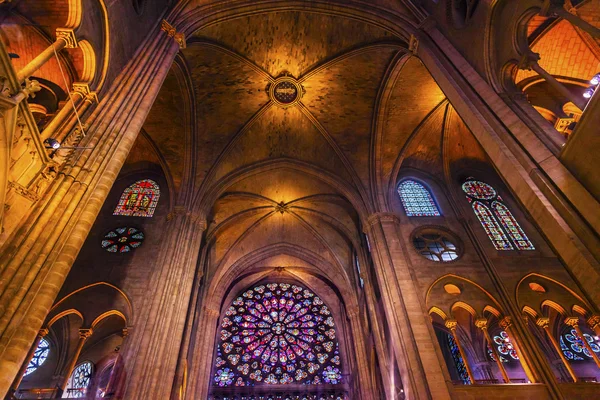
172	32
85	333
451	324
572	321
125	332
413	45
68	35
505	323
543	322
481	323
376	218
43	332
81	88
593	321
528	60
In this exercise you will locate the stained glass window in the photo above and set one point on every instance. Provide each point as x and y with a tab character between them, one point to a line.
417	200
458	361
357	263
435	246
39	356
122	240
573	347
504	347
277	334
139	199
496	219
79	381
511	226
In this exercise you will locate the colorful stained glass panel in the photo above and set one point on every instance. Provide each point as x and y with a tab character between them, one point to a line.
417	200
491	226
139	199
511	226
458	361
39	356
277	334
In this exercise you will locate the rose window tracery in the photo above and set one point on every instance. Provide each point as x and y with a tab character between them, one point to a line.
277	334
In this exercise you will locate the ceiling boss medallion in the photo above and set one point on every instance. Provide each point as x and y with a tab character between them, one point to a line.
286	91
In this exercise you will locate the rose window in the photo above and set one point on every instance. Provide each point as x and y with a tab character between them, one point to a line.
573	347
504	347
39	356
277	334
122	240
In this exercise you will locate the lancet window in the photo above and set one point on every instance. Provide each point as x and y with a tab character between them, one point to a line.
498	222
417	200
273	335
458	361
139	199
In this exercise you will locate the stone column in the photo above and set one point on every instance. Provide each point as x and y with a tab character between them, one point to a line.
204	342
482	324
35	263
556	7
544	323
80	91
529	61
36	343
84	334
574	322
365	383
452	324
411	335
65	38
507	325
152	360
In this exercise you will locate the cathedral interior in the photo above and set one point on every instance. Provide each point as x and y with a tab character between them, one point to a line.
299	200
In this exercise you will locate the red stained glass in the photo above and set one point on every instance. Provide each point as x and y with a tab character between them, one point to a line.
139	199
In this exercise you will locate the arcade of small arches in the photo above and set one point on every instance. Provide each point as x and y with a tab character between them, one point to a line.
288	200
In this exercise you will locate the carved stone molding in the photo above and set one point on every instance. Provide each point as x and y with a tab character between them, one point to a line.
68	35
23	191
172	32
376	218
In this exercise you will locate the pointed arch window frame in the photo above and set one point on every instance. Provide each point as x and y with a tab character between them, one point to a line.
423	202
139	199
501	227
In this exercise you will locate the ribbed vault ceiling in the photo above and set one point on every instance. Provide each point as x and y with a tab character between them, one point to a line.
299	175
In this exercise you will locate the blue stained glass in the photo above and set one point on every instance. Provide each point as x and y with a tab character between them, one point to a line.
577	349
458	361
417	200
39	356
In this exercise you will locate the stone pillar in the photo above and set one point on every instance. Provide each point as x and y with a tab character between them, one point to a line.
366	385
529	61
557	8
574	322
506	324
65	38
204	343
544	323
84	334
452	324
35	263
80	91
152	360
482	324
411	337
36	343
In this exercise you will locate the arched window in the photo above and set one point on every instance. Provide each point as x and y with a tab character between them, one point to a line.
458	361
273	335
79	381
496	219
417	200
139	199
39	356
573	347
357	265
